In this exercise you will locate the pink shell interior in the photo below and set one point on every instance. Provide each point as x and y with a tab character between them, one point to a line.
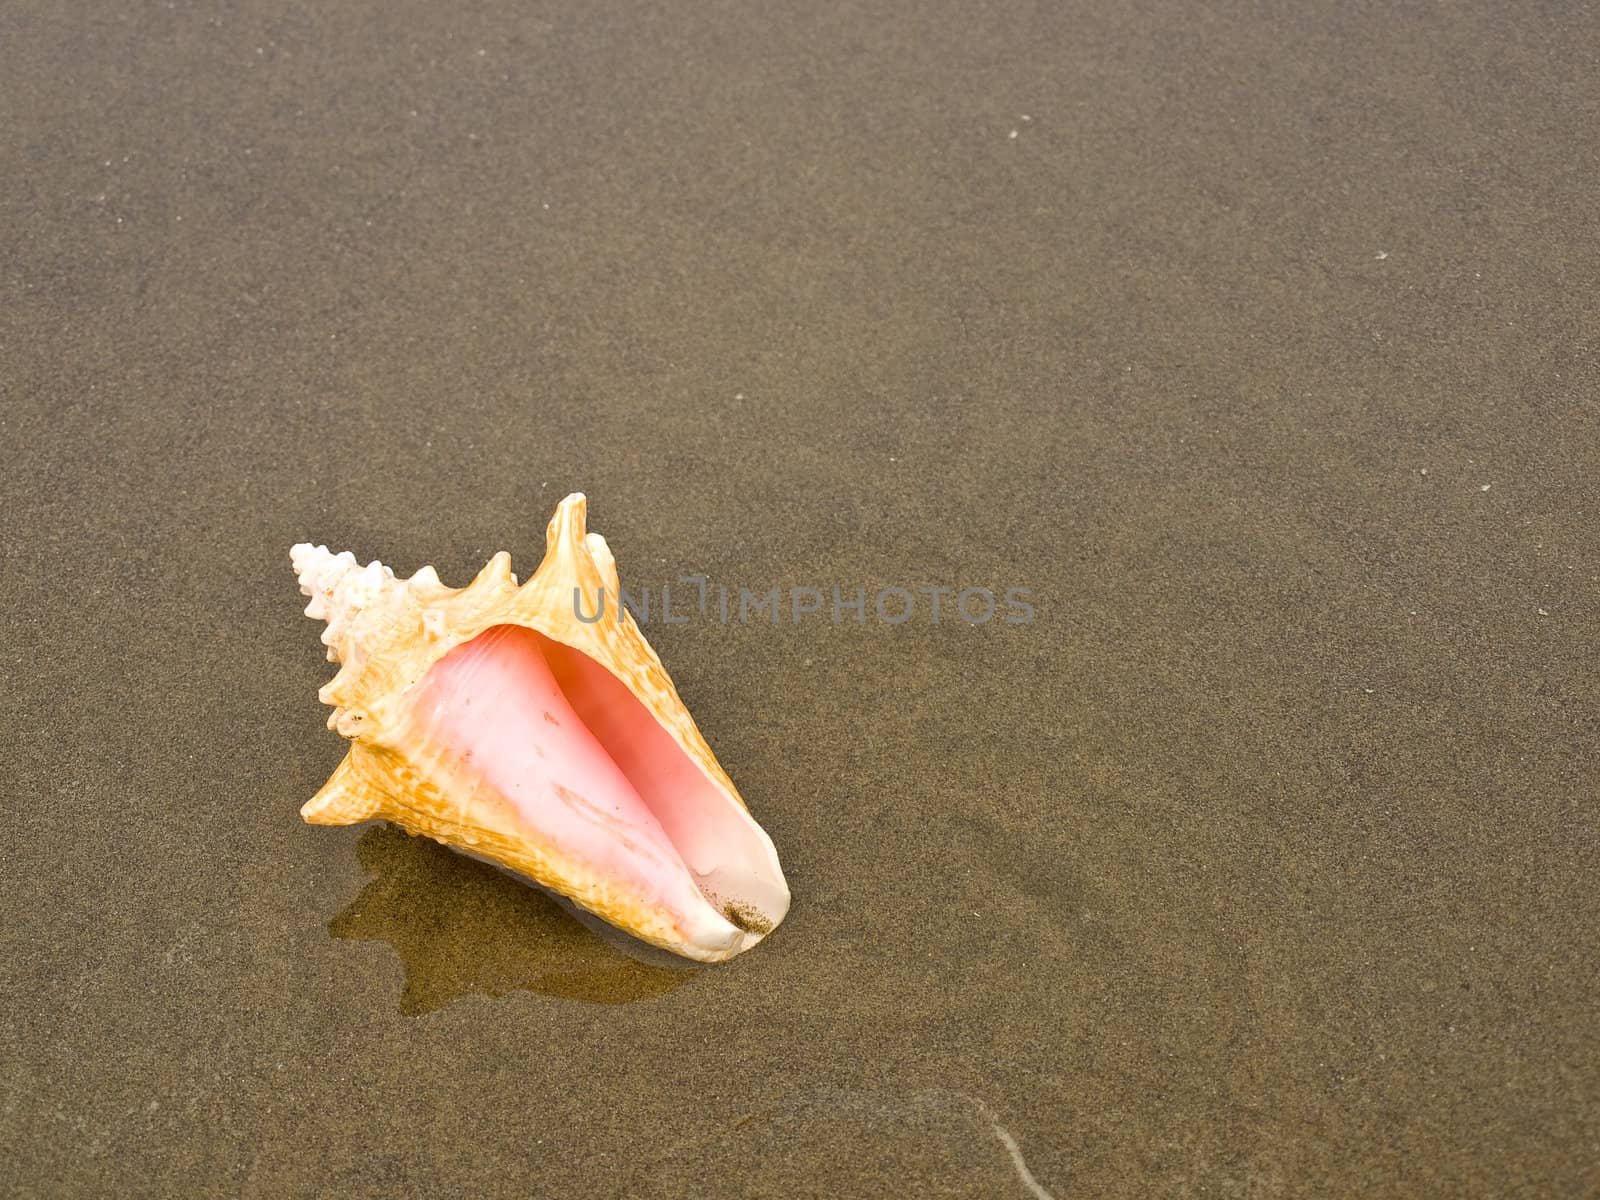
592	776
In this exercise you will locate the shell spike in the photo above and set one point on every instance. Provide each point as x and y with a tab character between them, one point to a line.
496	571
569	557
348	797
567	526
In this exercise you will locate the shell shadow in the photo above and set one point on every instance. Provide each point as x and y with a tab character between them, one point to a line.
464	928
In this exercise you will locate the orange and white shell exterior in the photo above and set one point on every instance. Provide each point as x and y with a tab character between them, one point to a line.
549	799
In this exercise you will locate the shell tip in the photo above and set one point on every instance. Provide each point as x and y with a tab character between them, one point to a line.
568	522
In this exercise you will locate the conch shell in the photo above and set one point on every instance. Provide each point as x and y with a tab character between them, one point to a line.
507	723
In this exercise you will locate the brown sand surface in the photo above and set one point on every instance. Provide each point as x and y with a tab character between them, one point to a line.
1258	341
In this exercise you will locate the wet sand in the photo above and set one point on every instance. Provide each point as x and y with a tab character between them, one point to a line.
1259	345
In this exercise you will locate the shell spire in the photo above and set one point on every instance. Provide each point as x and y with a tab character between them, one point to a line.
342	591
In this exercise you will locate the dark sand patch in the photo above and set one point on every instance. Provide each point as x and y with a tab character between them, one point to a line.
463	928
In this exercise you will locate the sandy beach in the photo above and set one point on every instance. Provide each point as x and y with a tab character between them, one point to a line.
1256	346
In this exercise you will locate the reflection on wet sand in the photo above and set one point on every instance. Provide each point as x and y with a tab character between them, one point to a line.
464	928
